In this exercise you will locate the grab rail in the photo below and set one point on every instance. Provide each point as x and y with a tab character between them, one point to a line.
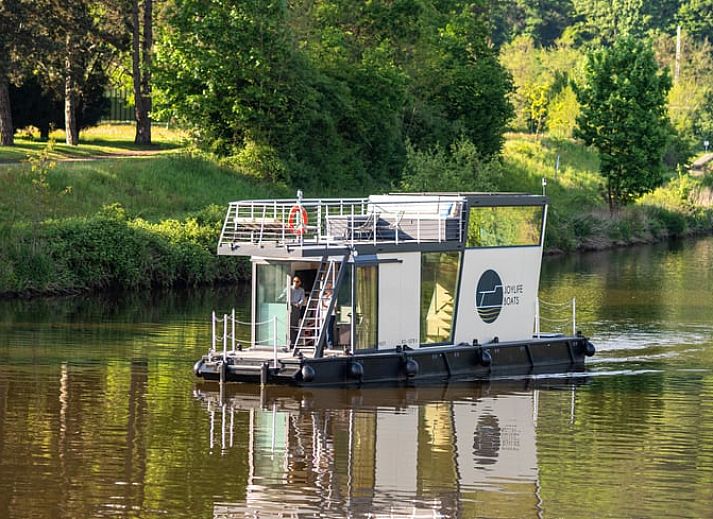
225	336
343	221
556	308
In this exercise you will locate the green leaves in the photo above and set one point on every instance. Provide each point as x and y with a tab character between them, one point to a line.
325	95
623	114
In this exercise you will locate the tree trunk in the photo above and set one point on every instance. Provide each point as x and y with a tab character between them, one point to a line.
141	65
7	132
70	112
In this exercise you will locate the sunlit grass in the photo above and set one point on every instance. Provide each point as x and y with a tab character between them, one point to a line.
157	187
104	140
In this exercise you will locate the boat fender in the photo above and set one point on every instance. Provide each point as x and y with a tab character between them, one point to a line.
589	349
308	373
495	340
356	370
411	368
197	367
486	359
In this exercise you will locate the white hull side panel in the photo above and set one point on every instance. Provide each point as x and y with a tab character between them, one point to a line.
518	277
399	300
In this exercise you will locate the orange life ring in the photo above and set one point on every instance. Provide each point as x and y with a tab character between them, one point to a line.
297	220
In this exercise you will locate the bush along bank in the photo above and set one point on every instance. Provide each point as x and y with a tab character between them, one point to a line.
109	250
681	208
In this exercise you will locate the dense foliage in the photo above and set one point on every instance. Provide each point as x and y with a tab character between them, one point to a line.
323	93
623	114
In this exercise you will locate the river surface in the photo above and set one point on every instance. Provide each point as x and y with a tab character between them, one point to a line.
101	416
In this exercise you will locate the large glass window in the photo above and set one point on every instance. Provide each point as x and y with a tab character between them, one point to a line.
366	307
439	282
504	226
272	282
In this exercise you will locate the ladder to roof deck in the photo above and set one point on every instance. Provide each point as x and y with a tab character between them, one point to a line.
312	329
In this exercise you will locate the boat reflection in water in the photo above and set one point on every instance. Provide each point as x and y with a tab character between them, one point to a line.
467	450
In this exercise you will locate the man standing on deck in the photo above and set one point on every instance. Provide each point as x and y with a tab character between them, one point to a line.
297	300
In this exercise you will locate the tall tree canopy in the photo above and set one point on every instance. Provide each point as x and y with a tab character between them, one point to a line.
623	114
313	93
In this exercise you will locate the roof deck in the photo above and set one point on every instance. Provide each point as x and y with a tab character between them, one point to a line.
315	227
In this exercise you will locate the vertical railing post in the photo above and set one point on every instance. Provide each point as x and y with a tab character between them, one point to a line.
232	334
274	341
212	341
319	221
225	337
537	318
574	316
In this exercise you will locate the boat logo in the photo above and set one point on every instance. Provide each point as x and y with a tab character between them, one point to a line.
489	296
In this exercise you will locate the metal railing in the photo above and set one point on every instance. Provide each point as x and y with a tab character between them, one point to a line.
228	335
560	315
343	221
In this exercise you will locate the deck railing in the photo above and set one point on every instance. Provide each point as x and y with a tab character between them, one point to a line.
344	221
559	316
225	338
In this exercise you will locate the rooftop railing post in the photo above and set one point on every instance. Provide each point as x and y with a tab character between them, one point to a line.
574	316
373	225
319	221
283	223
274	341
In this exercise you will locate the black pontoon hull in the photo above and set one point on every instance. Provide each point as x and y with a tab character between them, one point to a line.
402	365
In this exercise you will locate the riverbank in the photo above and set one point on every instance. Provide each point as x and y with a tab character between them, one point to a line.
578	218
69	226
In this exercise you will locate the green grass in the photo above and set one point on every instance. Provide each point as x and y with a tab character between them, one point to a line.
528	160
117	222
102	141
153	188
579	217
154	220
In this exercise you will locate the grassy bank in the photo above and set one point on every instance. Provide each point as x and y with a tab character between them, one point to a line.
154	220
103	141
579	218
129	222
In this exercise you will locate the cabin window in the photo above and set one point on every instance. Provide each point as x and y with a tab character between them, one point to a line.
366	306
439	282
272	285
505	226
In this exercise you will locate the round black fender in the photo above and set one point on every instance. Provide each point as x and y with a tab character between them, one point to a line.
197	367
486	359
308	373
589	349
356	370
411	368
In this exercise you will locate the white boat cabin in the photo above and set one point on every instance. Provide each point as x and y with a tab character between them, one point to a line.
421	270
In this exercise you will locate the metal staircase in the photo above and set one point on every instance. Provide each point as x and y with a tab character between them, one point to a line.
312	333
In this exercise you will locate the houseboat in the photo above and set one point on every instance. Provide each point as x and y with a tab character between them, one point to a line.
389	288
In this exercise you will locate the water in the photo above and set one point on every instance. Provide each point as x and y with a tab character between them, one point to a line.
100	414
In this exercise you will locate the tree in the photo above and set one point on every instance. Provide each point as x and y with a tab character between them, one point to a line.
34	105
603	21
696	17
141	57
18	38
623	115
